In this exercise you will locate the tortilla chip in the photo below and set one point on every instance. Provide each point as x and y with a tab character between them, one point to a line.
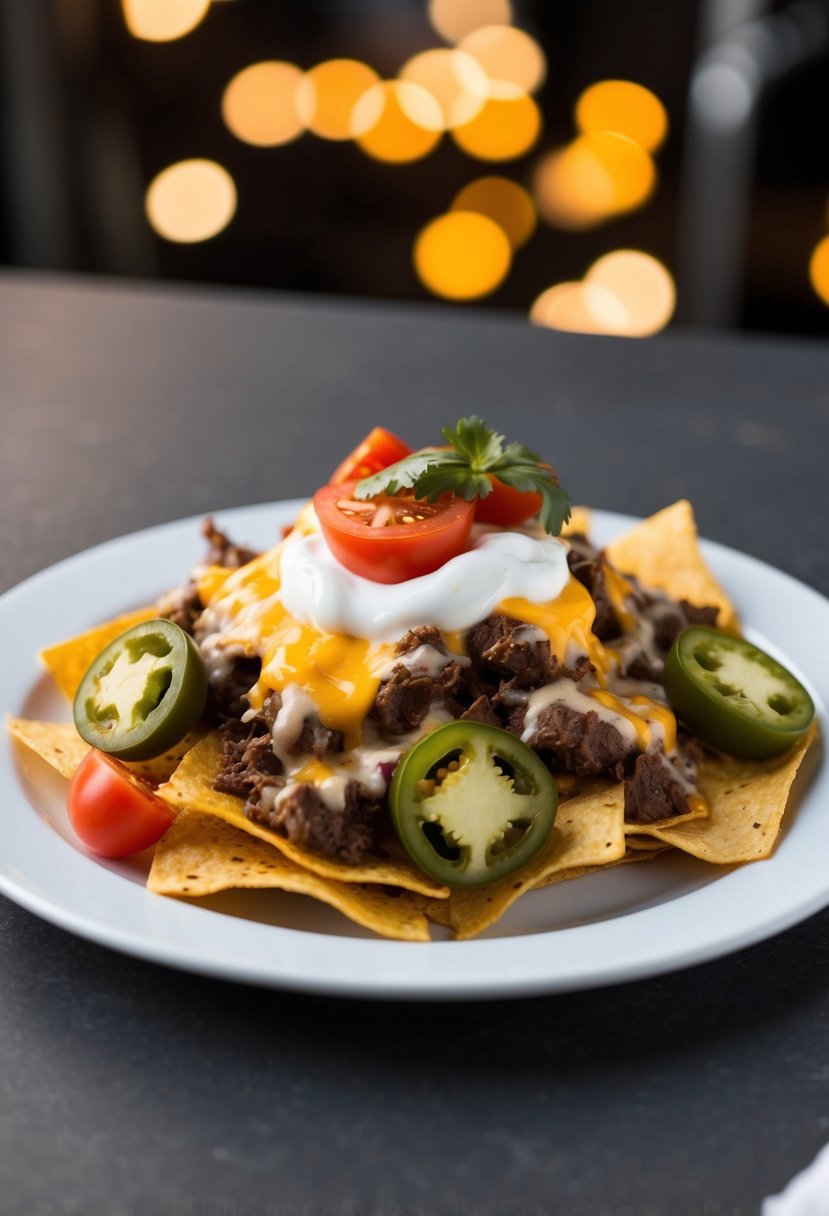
671	821
589	830
68	661
579	522
192	786
200	855
643	844
663	552
747	800
59	744
580	871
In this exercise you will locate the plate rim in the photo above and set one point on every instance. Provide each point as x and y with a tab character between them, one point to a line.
478	969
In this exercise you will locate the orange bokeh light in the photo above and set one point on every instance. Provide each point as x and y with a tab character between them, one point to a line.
457	82
592	178
507	53
259	105
462	255
507	126
397	121
328	93
643	286
503	201
191	201
819	269
578	307
454	19
163	20
625	108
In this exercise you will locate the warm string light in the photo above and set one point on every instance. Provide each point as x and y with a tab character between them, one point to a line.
479	90
163	20
191	201
627	293
608	168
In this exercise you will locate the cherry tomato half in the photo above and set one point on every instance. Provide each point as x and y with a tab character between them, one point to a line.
389	539
112	810
378	450
506	506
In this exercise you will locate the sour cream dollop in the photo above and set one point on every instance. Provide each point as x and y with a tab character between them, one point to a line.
317	590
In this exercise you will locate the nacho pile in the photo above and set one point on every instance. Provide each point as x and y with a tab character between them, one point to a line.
212	846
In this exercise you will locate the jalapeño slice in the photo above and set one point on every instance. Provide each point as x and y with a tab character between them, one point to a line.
143	692
733	695
471	803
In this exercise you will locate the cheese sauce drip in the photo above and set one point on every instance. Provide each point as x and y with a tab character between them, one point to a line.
323	630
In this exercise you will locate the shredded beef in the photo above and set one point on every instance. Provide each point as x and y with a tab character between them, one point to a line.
222	550
227	698
497	646
481	710
653	791
588	566
301	815
580	743
421	635
315	740
247	754
186	609
403	701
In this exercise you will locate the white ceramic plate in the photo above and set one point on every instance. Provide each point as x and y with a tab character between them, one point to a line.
624	924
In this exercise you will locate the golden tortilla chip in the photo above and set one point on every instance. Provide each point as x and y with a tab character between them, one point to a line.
200	855
672	821
589	830
59	744
747	800
663	552
68	661
192	786
580	871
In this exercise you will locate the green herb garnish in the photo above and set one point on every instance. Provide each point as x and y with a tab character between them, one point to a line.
475	454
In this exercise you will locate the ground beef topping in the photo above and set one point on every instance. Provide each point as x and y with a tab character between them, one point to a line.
300	813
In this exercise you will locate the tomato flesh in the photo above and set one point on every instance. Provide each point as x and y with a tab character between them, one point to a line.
734	696
392	538
379	449
471	804
112	810
506	506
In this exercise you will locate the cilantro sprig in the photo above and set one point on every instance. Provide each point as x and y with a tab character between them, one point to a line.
475	453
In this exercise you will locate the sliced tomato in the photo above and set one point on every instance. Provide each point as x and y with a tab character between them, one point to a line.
505	506
392	537
112	810
378	450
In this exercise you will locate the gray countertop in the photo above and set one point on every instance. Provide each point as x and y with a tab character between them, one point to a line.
128	1089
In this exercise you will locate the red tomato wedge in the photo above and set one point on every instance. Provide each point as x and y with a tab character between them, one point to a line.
378	450
392	538
112	810
505	506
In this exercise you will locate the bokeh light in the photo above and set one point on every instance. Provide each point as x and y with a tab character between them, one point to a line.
819	269
163	20
462	255
594	177
503	201
507	53
643	286
457	82
507	126
454	19
328	93
625	108
260	104
579	307
191	201
397	121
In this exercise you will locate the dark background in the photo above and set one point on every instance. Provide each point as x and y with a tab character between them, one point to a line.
91	114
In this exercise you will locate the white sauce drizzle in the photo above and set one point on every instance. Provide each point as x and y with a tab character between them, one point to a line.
317	590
